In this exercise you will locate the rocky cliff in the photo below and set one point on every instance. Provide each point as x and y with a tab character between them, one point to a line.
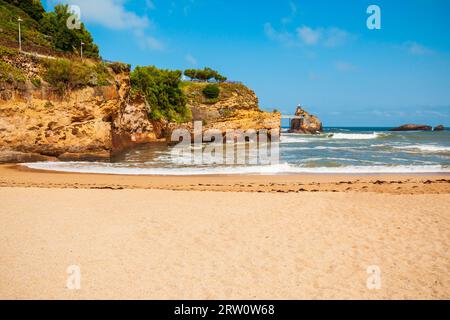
97	120
236	108
87	123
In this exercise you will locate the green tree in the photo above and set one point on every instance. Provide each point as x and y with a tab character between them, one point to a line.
161	89
191	73
220	78
206	75
54	24
33	8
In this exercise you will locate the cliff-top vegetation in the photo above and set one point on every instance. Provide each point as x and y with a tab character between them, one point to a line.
162	92
43	32
206	74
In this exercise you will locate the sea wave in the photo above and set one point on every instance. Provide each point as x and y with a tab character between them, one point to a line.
423	147
293	139
357	136
282	168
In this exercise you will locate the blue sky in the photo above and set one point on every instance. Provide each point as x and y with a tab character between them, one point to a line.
317	53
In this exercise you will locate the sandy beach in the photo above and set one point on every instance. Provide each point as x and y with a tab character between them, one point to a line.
139	238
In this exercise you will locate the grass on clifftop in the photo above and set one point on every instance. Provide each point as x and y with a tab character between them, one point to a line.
195	91
65	74
9	73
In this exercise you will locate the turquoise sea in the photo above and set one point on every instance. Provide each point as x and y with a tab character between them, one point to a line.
337	150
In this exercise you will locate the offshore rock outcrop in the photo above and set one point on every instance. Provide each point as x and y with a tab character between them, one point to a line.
305	123
413	127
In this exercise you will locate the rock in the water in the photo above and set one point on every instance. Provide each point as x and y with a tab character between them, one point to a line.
439	128
305	123
413	127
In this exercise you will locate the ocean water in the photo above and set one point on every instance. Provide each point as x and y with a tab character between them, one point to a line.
337	150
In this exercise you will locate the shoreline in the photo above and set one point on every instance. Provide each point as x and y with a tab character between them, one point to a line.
23	167
16	175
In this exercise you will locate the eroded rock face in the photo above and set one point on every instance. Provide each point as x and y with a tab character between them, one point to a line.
131	125
236	108
77	124
306	124
97	122
413	127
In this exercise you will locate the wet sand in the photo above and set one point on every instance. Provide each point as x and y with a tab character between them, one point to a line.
439	183
262	239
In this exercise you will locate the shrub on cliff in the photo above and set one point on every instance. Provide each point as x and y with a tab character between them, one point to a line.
64	75
11	74
161	89
204	75
211	91
119	67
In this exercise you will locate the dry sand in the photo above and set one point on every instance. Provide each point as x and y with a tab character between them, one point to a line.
134	242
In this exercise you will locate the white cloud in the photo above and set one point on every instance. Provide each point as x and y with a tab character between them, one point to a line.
293	13
335	37
417	49
293	7
307	36
191	60
112	14
147	41
327	37
283	37
344	66
152	43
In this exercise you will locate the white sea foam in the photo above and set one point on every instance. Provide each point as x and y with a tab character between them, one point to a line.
339	148
293	139
424	147
110	168
357	136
